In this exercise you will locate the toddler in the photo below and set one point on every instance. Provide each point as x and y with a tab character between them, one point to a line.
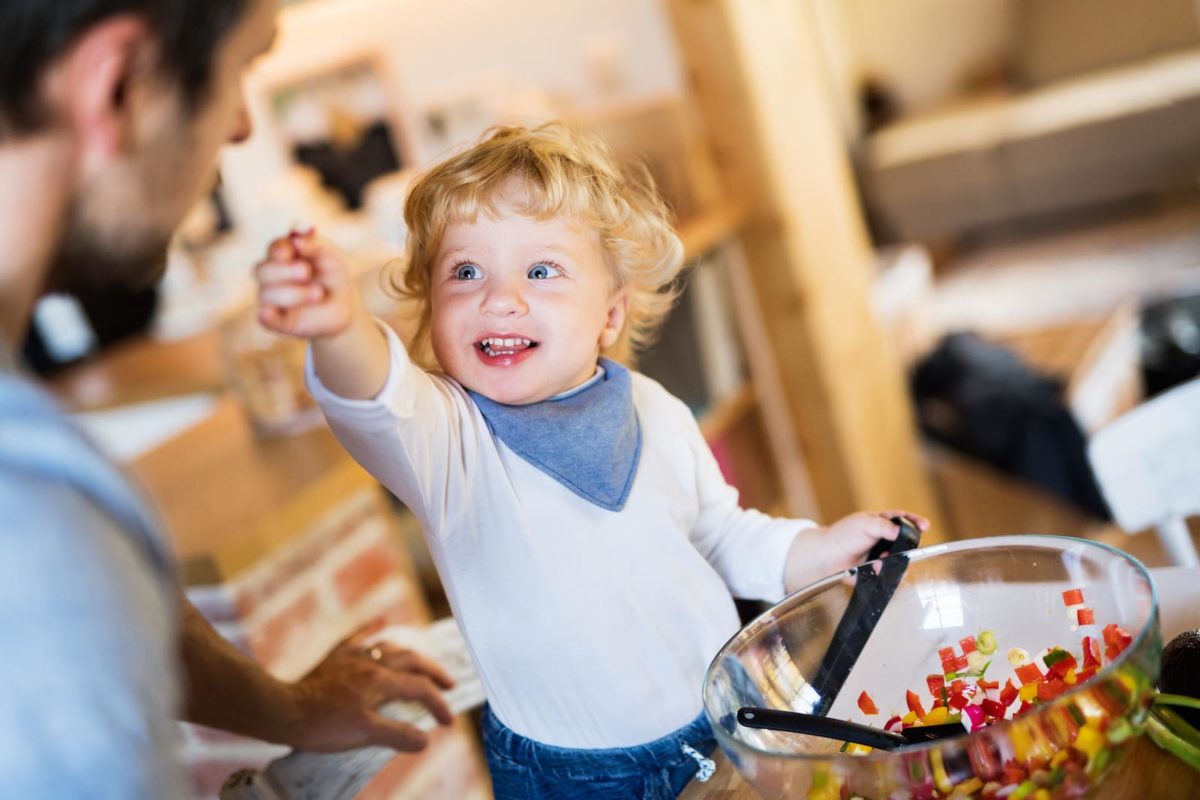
587	542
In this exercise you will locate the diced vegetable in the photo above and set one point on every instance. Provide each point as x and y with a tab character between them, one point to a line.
1017	656
1072	597
936	684
1091	652
1086	616
967	644
1048	690
867	705
1116	639
1029	673
914	703
986	642
993	709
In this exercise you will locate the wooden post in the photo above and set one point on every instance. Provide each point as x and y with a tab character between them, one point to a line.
759	85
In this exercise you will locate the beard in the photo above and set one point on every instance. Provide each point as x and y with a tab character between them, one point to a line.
89	259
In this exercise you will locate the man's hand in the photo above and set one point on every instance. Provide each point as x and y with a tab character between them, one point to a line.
337	703
819	552
334	707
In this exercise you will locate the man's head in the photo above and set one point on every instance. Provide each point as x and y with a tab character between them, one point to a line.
136	97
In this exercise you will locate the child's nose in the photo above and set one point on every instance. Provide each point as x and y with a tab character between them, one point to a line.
504	300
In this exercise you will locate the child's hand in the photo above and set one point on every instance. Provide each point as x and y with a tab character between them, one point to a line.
820	552
305	288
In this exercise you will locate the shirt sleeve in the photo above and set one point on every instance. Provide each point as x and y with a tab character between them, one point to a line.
88	658
418	436
747	548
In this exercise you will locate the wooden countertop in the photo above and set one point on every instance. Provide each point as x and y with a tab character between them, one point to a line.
228	497
142	369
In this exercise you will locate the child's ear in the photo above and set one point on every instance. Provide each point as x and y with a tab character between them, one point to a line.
614	322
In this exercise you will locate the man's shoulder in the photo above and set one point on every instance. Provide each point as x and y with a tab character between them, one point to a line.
48	523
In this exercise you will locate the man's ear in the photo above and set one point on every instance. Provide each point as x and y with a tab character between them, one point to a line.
90	85
614	322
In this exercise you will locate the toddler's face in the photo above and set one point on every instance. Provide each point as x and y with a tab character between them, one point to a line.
521	307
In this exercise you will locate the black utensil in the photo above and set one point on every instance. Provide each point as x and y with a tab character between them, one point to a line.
872	592
795	722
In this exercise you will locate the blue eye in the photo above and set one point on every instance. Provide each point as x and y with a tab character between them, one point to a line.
467	272
541	272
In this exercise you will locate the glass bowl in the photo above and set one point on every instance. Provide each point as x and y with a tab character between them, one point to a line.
1012	587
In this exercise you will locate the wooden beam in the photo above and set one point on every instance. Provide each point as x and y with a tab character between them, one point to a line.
761	92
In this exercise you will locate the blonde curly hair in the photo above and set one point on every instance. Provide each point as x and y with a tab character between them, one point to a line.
562	173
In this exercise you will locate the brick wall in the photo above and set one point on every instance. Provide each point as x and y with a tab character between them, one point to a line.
293	606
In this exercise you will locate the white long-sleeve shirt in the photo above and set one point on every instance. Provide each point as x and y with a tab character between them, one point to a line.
589	628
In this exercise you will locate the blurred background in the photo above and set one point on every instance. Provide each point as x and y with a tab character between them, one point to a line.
936	247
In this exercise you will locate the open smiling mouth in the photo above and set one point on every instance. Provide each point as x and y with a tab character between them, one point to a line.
497	347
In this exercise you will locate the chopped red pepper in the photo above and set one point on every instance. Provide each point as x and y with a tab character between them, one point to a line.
1072	597
946	653
914	703
993	709
1029	673
1084	674
957	686
1115	640
1013	772
968	645
936	684
958	702
866	704
1048	690
960	664
1064	665
1025	706
1091	653
1086	616
1009	693
986	684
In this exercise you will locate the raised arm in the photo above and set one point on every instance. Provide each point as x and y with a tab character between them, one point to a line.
306	291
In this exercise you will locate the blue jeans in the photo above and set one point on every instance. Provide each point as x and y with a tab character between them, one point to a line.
523	769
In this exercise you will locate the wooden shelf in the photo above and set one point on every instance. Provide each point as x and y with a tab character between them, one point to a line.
704	231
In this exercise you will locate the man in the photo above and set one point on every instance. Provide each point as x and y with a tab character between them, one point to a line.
111	116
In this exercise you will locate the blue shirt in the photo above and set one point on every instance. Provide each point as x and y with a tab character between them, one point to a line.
88	648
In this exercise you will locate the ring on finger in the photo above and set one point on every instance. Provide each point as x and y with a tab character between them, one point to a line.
375	653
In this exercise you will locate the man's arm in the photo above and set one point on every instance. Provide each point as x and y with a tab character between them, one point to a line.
334	707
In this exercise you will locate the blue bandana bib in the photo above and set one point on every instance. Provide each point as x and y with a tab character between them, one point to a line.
588	440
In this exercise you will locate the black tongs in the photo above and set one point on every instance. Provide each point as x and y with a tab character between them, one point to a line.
794	722
872	593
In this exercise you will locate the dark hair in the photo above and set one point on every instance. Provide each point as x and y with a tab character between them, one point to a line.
35	32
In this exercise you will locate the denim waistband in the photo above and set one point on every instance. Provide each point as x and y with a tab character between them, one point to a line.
612	762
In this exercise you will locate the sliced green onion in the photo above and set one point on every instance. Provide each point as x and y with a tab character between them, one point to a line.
1162	698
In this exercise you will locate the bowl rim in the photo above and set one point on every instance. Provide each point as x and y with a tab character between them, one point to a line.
918	554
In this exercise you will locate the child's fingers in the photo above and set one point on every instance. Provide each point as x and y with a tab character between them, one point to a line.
282	249
920	522
274	272
290	295
328	264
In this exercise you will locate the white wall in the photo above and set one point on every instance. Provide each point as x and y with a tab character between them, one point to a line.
926	49
434	52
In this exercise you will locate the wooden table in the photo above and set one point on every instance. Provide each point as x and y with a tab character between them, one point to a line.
1144	773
